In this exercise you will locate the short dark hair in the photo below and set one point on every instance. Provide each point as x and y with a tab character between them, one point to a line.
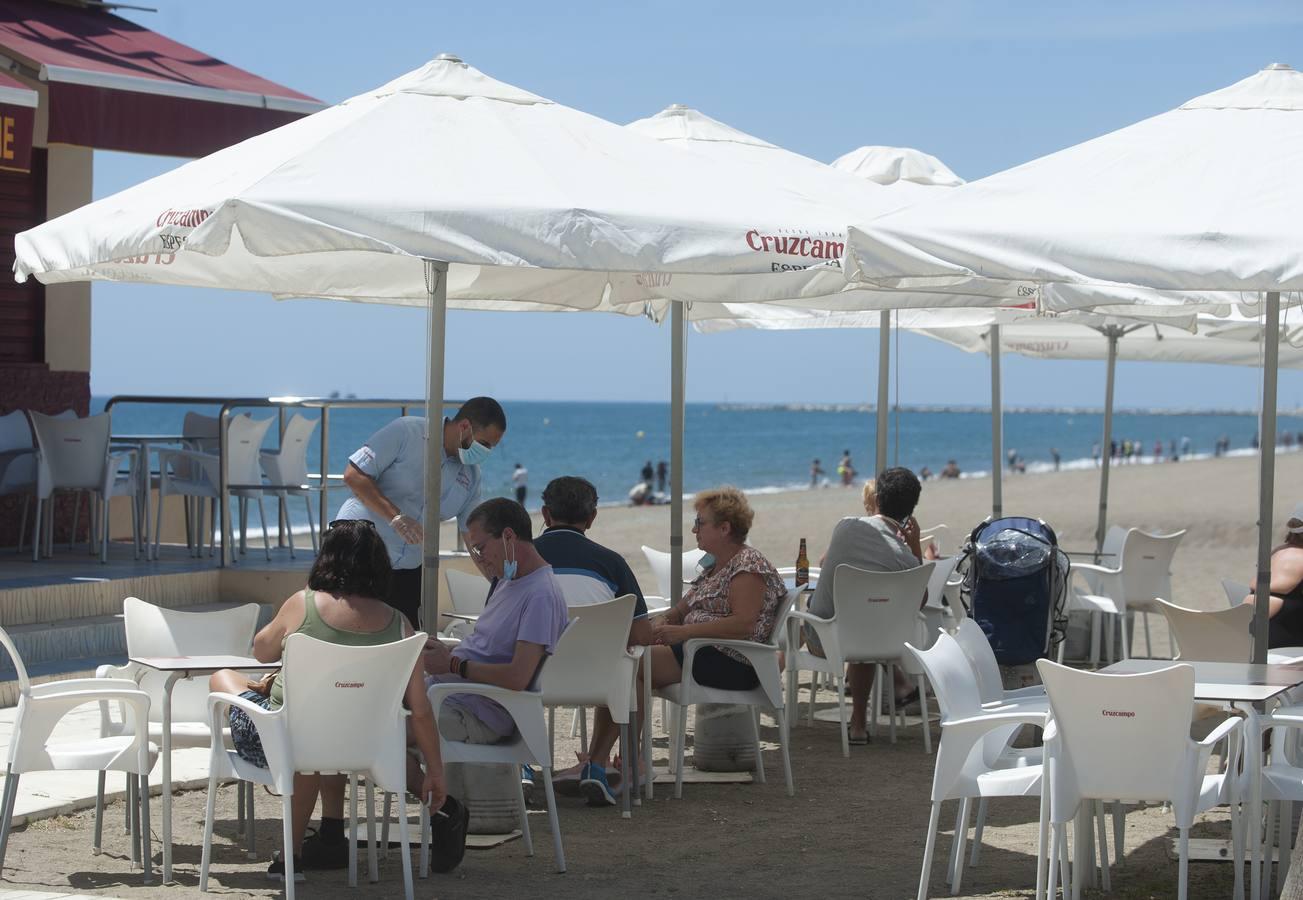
500	513
570	499
482	412
353	560
898	492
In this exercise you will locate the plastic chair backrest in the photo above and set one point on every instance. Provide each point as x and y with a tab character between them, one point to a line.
1147	566
981	658
1220	636
73	452
951	676
659	561
468	592
587	656
16	434
1120	737
24	683
244	437
938	535
293	458
158	631
1236	591
876	613
936	585
341	702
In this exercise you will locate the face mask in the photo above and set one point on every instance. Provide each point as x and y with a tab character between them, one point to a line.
707	562
475	454
508	565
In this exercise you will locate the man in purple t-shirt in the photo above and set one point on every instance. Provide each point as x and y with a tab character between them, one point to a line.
521	623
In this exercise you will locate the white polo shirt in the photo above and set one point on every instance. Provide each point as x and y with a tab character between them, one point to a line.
395	458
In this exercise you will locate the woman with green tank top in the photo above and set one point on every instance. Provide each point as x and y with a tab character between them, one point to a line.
342	604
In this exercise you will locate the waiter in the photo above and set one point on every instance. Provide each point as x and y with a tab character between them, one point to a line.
387	478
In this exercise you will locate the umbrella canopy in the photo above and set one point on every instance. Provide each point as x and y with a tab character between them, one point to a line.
892	165
528	200
1199	198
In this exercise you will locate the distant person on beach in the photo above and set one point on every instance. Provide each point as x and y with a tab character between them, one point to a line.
1253	440
846	469
640	494
1285	625
924	473
884	541
1054	455
816	473
1094	453
648	473
1011	455
951	470
1173	455
588	573
1185	446
519	479
662	476
387	478
1158	451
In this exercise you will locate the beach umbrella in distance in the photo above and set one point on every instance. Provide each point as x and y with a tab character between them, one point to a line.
443	184
696	133
1201	198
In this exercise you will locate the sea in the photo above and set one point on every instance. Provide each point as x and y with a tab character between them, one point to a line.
760	448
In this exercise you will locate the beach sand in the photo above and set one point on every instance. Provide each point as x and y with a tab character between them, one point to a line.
855	827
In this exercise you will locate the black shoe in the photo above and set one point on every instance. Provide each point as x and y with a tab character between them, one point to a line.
276	871
321	852
448	835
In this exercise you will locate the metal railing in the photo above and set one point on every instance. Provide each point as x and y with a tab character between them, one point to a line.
280	404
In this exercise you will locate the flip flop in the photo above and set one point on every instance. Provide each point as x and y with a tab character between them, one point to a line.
860	740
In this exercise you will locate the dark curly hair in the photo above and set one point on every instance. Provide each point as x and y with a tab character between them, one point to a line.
353	561
500	513
570	499
898	492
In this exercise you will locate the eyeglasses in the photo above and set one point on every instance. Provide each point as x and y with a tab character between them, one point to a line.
698	522
477	551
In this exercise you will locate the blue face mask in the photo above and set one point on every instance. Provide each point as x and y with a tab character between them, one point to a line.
707	562
508	565
475	454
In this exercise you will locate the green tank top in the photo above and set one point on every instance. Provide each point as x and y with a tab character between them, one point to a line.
317	627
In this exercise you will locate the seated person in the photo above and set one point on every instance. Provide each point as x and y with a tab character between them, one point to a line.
736	597
344	603
523	618
886	541
1285	627
951	470
588	573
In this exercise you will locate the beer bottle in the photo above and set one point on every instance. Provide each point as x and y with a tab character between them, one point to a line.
802	566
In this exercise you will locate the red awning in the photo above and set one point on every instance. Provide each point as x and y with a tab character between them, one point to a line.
116	85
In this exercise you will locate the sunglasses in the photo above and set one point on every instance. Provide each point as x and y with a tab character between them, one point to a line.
698	522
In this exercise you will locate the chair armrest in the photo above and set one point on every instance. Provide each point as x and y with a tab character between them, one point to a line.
1222	731
1094	569
1026	693
46	709
522	706
823	628
756	653
977	725
73	685
273	733
465	617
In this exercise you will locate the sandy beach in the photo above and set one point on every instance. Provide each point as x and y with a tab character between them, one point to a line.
855	827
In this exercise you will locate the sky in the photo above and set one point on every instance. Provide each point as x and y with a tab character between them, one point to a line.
982	85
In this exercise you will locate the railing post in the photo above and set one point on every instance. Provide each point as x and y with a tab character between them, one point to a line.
282	519
223	486
323	502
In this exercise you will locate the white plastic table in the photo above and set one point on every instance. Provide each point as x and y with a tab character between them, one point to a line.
1248	687
176	668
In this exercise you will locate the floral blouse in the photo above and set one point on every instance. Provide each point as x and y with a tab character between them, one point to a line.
707	599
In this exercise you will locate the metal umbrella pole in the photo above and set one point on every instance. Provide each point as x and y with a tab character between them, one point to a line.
1266	475
1106	445
997	426
884	383
678	397
436	283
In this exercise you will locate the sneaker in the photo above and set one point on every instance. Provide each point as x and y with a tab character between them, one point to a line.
594	787
276	871
321	852
527	784
448	827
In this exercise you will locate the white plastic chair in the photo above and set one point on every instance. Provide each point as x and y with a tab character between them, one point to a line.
1282	787
1127	738
288	465
527	746
157	631
659	561
1236	591
342	714
768	695
938	535
973	760
73	455
937	614
1220	636
195	474
592	666
40	709
874	615
468	593
1143	573
986	668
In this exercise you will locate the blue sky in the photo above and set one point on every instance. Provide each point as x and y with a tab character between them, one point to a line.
983	86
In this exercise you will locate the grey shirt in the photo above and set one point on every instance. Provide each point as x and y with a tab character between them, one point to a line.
865	542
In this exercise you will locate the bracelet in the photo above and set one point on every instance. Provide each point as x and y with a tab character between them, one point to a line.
394	520
461	667
454	665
